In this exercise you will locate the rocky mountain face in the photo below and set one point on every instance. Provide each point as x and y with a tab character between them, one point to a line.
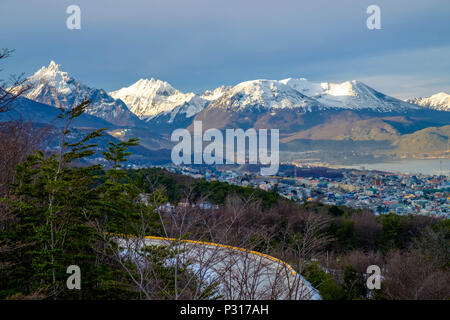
158	103
54	87
151	98
438	101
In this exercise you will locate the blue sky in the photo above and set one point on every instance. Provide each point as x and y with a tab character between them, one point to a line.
201	44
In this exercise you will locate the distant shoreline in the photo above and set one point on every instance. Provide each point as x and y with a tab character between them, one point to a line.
414	166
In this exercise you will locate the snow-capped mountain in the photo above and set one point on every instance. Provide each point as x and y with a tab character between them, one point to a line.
306	95
164	108
158	102
263	95
353	95
215	94
153	98
438	101
52	86
295	105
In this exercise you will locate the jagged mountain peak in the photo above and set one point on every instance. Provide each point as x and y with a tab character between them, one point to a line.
53	86
145	84
53	66
53	76
438	101
53	70
148	98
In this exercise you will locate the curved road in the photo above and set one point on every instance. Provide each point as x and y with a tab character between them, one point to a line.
241	273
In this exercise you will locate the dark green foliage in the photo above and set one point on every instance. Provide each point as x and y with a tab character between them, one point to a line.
444	227
335	211
346	235
218	191
153	178
121	201
434	244
353	285
328	288
117	152
391	232
177	187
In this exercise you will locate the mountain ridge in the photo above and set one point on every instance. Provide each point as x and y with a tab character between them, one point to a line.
439	101
348	119
52	86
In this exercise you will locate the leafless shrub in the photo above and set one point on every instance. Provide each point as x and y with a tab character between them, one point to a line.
411	276
359	260
13	88
367	229
19	139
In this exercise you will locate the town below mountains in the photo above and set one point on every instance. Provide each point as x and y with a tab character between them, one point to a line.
380	192
335	123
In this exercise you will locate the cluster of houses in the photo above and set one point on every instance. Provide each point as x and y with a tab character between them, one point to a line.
381	192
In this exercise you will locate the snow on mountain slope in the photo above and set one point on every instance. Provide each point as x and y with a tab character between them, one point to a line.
353	95
52	86
151	98
304	86
263	94
215	94
439	101
156	100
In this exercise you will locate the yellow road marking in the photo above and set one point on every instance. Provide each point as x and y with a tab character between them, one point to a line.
224	246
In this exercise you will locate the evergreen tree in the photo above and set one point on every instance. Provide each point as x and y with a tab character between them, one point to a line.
50	201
